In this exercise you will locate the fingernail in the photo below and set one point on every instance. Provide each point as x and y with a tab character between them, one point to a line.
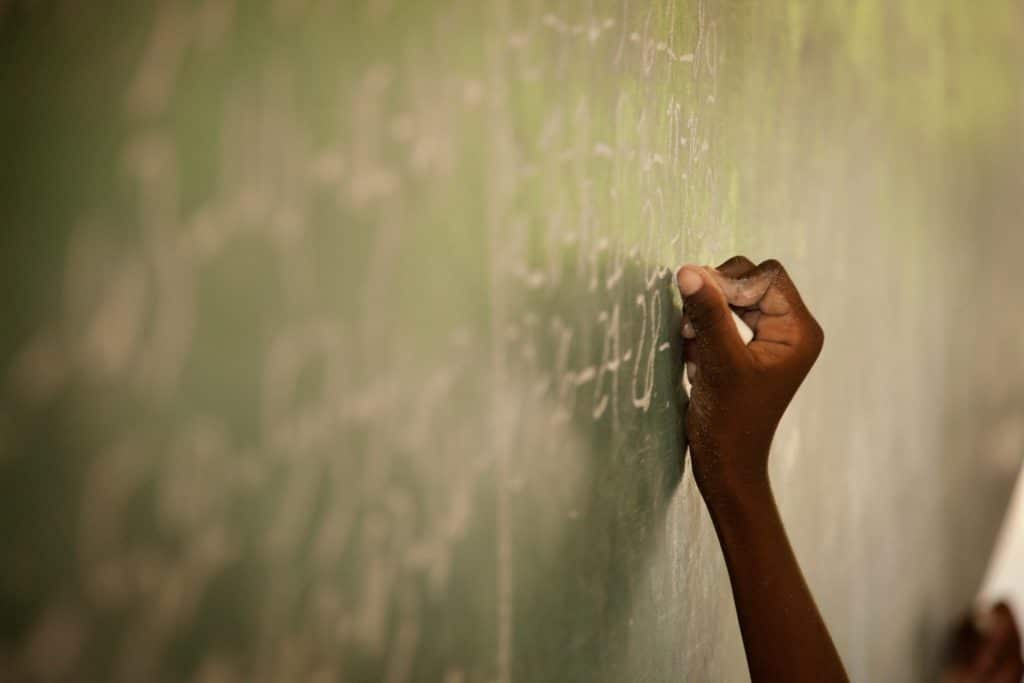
691	371
689	280
688	331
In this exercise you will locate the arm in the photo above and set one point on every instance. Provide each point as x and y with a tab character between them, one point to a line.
739	394
784	636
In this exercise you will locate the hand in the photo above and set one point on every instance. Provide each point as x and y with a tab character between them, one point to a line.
986	651
741	391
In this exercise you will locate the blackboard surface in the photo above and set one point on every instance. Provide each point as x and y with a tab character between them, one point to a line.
340	340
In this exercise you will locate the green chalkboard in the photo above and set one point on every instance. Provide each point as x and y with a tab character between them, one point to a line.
340	340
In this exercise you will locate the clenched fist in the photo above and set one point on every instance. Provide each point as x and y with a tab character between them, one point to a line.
739	392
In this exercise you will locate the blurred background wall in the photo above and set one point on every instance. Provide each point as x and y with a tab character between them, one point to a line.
340	343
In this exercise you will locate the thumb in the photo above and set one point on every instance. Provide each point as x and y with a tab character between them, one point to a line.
709	313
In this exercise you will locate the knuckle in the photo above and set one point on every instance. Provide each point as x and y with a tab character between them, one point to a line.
817	333
739	259
778	274
814	337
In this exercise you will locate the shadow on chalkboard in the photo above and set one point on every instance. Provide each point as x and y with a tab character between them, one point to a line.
580	596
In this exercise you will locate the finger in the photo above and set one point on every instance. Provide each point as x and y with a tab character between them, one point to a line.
767	288
1001	641
687	328
782	317
752	319
1005	618
997	656
964	642
709	314
690	352
1006	626
778	329
783	296
750	290
736	267
764	310
737	264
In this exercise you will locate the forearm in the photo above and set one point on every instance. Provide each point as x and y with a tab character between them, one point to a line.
784	636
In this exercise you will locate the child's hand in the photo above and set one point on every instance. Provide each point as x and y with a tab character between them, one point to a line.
741	391
986	649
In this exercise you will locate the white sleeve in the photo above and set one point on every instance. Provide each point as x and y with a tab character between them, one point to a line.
1004	579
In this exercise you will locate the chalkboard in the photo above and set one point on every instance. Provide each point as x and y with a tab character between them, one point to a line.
341	340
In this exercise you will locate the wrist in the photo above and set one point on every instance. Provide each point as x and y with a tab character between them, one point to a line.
741	513
731	490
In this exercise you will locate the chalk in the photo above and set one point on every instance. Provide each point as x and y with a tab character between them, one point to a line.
746	334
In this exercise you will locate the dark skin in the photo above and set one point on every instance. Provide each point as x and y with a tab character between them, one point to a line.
986	649
739	393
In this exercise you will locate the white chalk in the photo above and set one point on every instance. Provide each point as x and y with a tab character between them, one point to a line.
746	334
